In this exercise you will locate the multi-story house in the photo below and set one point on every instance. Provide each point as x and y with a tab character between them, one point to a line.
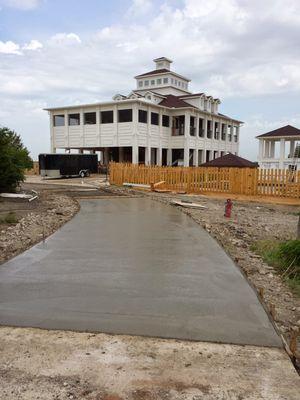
160	122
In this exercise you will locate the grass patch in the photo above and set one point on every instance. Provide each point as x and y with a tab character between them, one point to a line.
284	257
9	218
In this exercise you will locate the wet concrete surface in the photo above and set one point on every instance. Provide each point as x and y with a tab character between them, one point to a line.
133	266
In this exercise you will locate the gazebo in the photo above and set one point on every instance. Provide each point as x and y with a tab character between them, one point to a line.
273	152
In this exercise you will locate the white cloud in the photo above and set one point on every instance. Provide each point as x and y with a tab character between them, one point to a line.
9	47
21	4
32	45
227	47
60	39
139	8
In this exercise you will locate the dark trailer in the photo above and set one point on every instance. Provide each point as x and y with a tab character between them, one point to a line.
59	165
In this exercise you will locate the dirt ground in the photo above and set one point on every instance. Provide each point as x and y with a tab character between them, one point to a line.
40	364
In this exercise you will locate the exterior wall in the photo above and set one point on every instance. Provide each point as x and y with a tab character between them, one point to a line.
135	134
174	81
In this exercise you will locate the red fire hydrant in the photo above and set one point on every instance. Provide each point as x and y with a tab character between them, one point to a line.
228	208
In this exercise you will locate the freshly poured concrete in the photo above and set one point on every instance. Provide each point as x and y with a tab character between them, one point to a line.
133	266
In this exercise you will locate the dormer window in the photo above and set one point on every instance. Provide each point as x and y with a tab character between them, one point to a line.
146	83
159	81
153	82
165	80
140	83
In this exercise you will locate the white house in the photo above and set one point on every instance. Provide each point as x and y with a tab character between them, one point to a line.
280	149
160	122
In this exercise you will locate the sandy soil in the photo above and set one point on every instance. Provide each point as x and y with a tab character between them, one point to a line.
38	364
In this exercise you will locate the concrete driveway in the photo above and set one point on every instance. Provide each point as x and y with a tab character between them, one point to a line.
133	266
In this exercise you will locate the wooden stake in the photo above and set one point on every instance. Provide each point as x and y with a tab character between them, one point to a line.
272	310
261	292
293	341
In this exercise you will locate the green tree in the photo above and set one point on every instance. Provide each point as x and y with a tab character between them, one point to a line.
14	159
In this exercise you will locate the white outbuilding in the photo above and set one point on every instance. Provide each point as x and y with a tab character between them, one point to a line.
280	149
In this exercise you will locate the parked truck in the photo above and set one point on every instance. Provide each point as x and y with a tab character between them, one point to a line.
67	165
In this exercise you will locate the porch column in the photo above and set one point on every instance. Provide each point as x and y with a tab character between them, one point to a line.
196	157
159	156
267	149
282	154
135	154
205	127
186	156
186	139
261	149
292	148
272	149
169	156
148	155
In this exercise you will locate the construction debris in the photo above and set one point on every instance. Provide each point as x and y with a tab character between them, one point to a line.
189	204
136	185
24	196
16	195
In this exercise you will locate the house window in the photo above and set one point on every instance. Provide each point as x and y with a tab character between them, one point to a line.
153	82
59	120
172	81
165	80
74	119
146	83
125	115
158	81
179	83
154	118
143	116
107	117
165	121
175	82
89	118
140	83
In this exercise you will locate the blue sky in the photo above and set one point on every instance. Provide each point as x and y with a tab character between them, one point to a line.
247	53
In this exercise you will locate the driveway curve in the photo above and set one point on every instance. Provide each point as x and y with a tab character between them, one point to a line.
133	266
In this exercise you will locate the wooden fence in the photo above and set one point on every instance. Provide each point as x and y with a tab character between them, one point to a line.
34	170
246	181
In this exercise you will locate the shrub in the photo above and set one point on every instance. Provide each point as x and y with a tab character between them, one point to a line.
14	159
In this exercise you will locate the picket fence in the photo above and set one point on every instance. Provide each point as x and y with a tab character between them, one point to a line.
245	181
